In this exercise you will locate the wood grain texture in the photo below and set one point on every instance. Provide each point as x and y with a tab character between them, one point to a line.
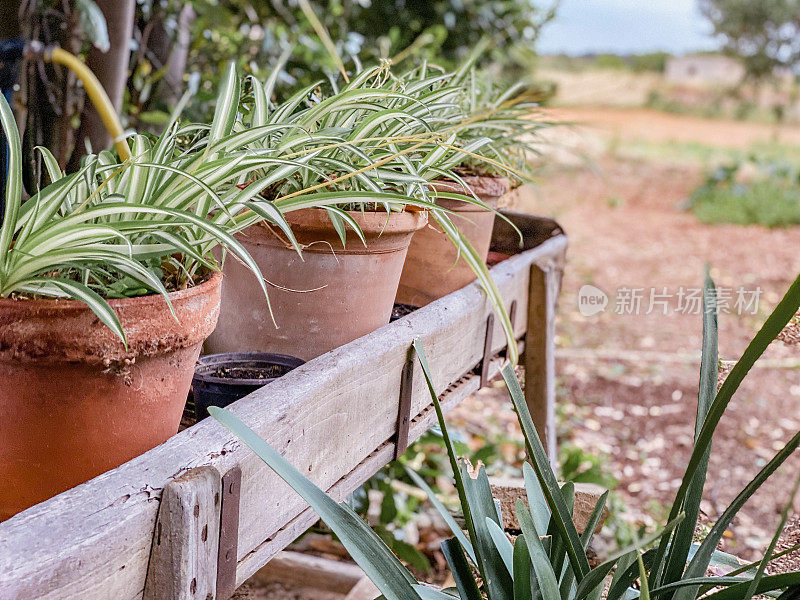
183	559
363	590
333	418
509	489
352	480
540	348
227	555
295	568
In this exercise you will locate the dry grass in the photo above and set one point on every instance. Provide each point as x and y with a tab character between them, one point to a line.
601	87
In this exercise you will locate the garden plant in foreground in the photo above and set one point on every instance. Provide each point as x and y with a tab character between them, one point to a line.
549	560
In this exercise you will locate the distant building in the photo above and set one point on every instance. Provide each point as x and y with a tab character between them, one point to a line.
704	69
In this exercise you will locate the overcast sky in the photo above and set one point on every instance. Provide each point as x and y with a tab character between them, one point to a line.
626	26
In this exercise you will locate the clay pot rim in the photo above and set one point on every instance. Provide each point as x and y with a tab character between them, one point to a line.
59	331
483	186
39	304
372	222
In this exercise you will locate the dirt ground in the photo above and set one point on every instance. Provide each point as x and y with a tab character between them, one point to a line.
654	126
628	382
601	87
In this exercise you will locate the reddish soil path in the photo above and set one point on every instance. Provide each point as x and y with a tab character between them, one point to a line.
655	126
636	408
627	230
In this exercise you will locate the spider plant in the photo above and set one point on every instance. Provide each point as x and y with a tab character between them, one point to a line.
548	560
510	118
375	144
148	224
113	230
459	114
503	120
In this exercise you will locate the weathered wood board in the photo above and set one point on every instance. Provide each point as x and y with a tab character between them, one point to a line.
507	490
183	559
296	569
334	418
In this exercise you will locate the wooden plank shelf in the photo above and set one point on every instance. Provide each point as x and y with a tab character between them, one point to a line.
335	418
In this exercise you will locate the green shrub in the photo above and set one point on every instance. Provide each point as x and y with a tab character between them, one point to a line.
745	110
659	101
611	61
652	61
256	34
767	194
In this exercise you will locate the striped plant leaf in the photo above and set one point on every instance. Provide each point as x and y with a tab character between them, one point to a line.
363	544
76	291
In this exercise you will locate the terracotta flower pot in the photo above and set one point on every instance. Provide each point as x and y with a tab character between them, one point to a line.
348	292
74	403
433	268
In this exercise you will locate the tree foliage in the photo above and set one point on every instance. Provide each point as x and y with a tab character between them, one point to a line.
256	34
178	43
764	34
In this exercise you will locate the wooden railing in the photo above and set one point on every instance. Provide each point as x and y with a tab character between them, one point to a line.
224	513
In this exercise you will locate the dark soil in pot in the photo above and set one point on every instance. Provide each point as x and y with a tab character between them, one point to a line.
221	379
401	310
266	373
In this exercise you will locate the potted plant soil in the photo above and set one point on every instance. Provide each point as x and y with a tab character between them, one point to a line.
222	379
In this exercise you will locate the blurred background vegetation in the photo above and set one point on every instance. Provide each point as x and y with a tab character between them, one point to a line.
255	34
148	52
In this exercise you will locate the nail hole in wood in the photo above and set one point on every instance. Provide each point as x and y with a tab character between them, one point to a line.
193	586
204	533
196	510
216	499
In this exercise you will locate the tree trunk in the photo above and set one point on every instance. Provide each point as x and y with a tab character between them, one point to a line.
9	19
176	63
170	53
111	69
48	99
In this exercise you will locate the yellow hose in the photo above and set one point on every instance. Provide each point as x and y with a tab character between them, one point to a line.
97	95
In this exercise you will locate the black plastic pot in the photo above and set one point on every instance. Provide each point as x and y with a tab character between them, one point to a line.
400	310
221	379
